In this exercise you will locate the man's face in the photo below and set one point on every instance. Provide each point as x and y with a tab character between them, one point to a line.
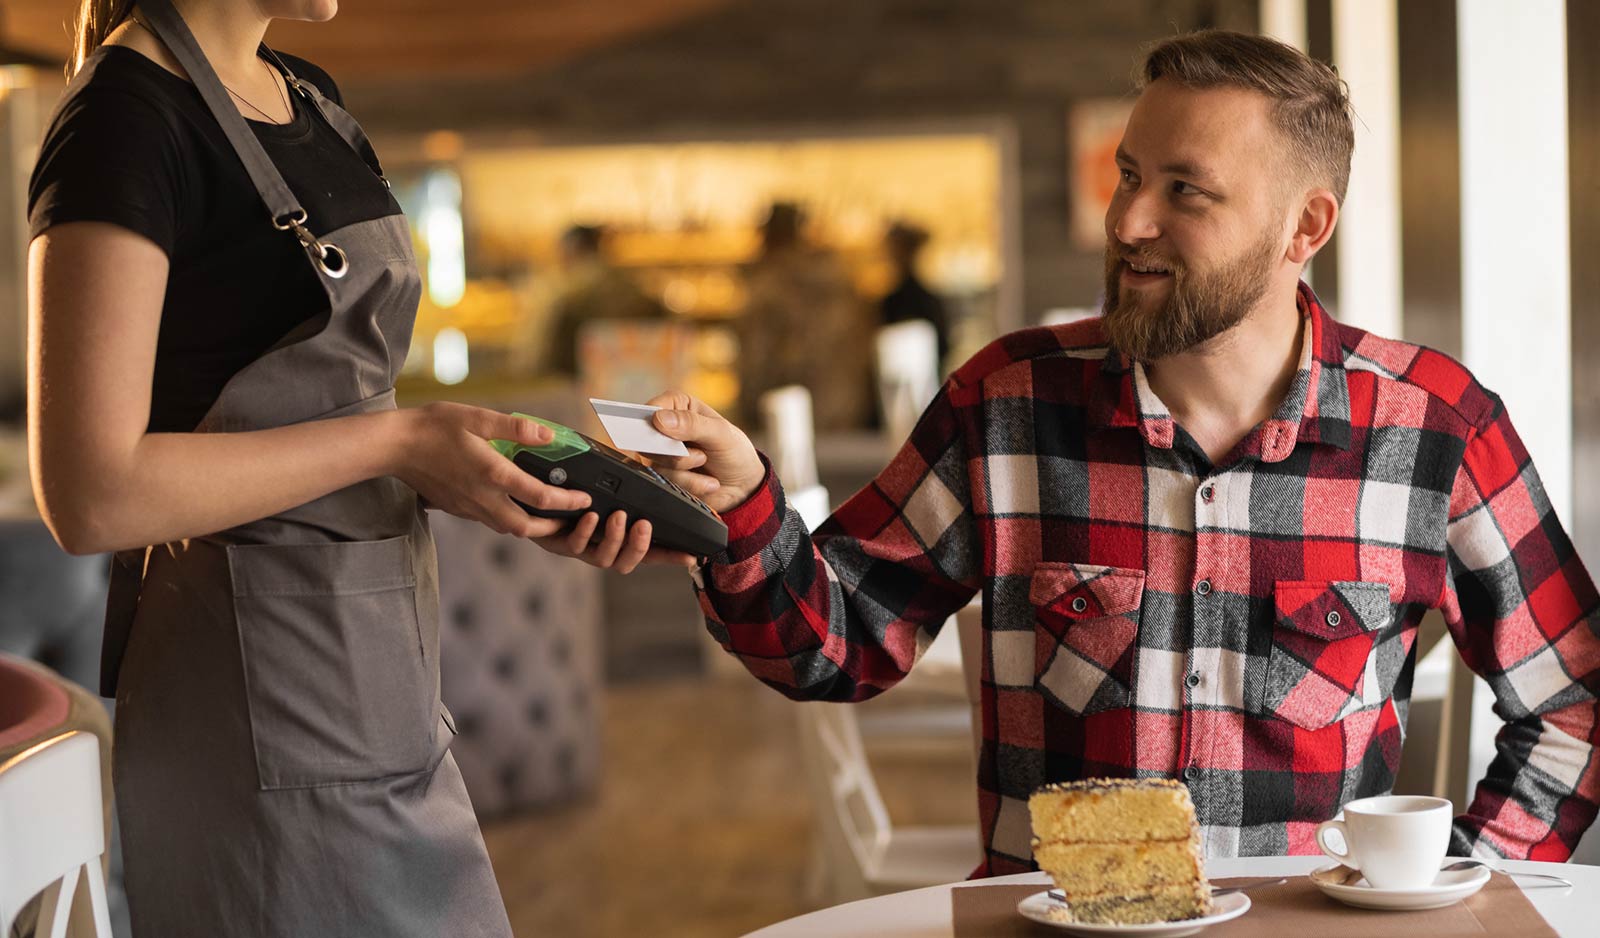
1198	227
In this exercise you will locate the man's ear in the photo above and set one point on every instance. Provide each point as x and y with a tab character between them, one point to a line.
1318	214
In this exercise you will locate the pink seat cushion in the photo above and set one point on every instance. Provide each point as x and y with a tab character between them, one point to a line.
31	702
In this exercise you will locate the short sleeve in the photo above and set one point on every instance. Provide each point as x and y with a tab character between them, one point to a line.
109	156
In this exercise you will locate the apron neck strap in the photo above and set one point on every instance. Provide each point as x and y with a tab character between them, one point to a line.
172	30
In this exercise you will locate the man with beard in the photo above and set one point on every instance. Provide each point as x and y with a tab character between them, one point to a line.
1204	527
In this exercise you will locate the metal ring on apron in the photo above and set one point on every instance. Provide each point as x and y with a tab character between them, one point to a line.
320	251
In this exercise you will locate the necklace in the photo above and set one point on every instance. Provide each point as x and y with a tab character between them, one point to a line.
289	108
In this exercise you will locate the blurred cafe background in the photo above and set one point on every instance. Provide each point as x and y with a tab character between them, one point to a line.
743	198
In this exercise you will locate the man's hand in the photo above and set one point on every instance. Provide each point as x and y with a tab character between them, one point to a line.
722	467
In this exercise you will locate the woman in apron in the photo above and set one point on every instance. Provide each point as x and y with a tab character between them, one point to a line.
221	294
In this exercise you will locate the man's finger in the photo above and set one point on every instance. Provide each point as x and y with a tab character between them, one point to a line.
672	400
664	557
708	432
696	483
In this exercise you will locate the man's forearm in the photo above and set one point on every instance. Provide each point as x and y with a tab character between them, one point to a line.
1540	794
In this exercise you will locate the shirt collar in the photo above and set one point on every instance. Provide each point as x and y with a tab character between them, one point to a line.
1315	410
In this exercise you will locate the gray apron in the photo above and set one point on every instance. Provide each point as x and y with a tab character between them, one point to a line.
281	762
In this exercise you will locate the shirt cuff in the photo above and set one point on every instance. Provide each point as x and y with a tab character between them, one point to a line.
753	523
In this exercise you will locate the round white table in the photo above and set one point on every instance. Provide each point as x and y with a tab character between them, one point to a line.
925	913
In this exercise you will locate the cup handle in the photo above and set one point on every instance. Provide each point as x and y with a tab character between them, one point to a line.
1344	833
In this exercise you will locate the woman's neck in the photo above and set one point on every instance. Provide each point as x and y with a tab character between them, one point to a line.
228	33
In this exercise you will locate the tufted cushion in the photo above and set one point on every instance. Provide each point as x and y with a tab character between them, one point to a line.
52	605
520	665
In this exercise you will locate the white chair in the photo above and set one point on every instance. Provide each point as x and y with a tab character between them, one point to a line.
1438	726
52	835
791	435
908	374
859	852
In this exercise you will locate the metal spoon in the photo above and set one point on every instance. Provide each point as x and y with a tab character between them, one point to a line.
1060	896
1354	876
1469	864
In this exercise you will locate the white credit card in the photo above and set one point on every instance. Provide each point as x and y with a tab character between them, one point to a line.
631	429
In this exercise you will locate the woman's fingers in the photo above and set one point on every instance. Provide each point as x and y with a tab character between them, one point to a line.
635	549
577	540
605	553
522	430
620	549
531	492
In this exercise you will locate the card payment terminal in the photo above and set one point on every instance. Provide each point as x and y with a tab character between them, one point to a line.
615	482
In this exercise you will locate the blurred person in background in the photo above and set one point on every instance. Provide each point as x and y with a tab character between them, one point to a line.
221	292
1205	527
910	299
804	324
592	289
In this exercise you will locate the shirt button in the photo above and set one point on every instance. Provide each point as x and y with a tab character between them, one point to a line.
1193	680
1334	619
1190	774
1203	588
1079	604
1207	493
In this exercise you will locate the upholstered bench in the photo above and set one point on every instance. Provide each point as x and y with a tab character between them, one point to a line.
521	663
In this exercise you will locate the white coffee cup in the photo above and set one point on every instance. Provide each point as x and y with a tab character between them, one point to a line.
1396	841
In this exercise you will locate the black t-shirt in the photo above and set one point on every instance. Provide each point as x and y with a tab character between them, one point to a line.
132	144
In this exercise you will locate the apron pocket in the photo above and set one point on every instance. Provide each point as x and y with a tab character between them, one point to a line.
336	679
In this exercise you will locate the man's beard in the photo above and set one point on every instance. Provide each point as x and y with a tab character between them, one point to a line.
1200	305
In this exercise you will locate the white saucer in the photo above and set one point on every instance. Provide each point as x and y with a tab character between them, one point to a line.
1447	889
1037	907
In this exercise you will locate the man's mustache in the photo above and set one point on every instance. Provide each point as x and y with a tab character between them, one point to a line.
1149	259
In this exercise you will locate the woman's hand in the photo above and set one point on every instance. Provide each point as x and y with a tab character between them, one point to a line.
444	454
618	549
722	470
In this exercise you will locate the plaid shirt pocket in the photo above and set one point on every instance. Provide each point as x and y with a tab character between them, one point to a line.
1086	622
1321	645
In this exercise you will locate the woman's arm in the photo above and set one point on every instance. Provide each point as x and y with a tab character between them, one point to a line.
102	482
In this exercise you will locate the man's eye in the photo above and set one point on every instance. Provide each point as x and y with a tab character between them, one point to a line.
1183	188
1127	176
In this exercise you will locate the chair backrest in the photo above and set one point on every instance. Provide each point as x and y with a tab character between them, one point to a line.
969	629
791	436
852	821
908	373
791	444
52	833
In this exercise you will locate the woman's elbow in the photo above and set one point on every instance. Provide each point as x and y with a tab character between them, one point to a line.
79	521
77	535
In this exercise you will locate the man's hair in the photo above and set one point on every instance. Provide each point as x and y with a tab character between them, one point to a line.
1310	102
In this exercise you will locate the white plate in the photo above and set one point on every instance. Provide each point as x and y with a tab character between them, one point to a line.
1447	889
1037	907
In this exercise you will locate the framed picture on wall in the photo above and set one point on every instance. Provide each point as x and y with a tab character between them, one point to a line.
1094	128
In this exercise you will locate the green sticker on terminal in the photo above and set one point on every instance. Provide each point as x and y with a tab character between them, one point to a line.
567	442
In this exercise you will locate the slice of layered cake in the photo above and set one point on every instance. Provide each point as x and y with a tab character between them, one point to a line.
1124	851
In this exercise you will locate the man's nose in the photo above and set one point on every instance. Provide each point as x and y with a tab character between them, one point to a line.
1132	218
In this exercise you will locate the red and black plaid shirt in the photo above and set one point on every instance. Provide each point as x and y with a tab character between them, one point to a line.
1247	627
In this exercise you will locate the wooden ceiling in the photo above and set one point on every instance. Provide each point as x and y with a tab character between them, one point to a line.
375	39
